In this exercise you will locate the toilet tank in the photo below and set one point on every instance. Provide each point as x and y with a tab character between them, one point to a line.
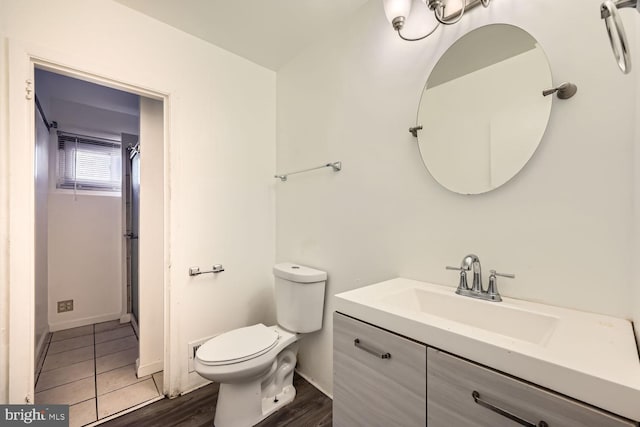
299	293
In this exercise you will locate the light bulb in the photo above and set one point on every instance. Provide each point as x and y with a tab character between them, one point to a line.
397	11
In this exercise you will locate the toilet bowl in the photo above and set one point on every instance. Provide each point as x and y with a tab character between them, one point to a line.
217	360
254	365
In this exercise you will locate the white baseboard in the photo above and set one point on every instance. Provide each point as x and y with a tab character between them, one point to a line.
68	324
315	384
125	318
194	388
149	368
194	385
194	382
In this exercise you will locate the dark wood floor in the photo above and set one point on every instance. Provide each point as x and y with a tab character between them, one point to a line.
310	408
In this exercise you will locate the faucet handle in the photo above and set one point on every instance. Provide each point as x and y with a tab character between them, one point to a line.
508	275
463	285
492	290
465	268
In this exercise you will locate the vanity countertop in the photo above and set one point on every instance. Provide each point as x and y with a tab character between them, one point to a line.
590	357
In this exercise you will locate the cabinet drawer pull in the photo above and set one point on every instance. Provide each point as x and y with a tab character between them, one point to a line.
369	350
504	413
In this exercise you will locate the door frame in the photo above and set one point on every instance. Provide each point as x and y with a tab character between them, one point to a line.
23	59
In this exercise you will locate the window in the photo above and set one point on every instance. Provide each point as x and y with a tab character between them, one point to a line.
86	163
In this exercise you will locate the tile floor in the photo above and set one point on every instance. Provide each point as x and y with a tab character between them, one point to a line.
92	369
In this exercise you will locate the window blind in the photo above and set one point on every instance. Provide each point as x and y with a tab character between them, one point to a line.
88	164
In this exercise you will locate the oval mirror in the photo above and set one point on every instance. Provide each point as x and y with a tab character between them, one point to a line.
482	110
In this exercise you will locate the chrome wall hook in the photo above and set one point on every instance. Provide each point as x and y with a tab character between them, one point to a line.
564	91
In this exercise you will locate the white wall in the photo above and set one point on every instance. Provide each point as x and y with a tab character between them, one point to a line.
41	234
561	225
84	259
221	133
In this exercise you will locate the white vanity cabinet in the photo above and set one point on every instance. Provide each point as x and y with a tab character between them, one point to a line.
379	377
463	394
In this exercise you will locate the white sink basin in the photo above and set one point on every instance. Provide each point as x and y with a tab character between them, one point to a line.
495	317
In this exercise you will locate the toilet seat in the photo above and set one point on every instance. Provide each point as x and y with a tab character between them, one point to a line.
238	345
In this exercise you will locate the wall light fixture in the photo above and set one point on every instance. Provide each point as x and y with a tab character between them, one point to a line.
397	12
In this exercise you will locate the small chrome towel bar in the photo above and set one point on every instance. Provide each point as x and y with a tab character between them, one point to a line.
195	271
336	166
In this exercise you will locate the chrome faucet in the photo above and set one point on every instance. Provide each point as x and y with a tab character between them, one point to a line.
472	262
477	273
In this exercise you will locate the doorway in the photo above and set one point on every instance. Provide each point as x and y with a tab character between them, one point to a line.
83	229
82	205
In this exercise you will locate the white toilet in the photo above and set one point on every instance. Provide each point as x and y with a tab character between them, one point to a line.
254	365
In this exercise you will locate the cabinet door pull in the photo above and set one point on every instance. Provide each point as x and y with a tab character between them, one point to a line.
504	413
369	350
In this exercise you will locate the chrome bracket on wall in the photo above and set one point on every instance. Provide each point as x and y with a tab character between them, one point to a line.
195	271
565	91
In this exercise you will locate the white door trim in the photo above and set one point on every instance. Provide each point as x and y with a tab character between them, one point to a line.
21	153
23	59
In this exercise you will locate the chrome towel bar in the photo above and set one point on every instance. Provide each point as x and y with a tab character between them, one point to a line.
336	166
195	271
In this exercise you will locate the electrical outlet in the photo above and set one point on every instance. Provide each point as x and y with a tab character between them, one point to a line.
64	306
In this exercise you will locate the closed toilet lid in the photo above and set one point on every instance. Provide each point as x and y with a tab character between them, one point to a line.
238	345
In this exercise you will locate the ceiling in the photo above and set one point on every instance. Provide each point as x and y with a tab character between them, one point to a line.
267	32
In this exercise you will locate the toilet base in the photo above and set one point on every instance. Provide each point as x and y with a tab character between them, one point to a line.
237	406
271	404
246	404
